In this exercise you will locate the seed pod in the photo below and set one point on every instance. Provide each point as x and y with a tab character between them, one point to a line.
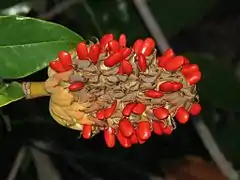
144	131
109	111
147	47
109	137
195	109
166	87
133	138
75	86
126	127
157	128
82	51
127	110
194	77
125	52
104	40
100	114
124	141
162	61
126	67
182	115
65	59
161	113
113	46
122	40
189	68
113	59
94	53
153	93
138	45
139	108
177	86
174	63
87	131
142	63
168	53
57	66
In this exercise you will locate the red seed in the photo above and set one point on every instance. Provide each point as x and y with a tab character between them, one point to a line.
174	64
57	66
162	61
120	70
177	86
182	115
194	77
94	53
127	110
126	67
195	109
113	46
139	108
140	141
122	40
157	128
101	114
166	87
142	63
65	59
153	93
167	130
124	141
144	130
161	113
109	111
168	53
109	137
189	68
186	60
126	127
104	40
76	86
87	131
113	59
147	47
126	52
138	45
133	138
82	51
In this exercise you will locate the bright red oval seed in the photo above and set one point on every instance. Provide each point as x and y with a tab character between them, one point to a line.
194	77
94	53
133	138
177	86
166	87
139	108
113	46
162	61
147	47
82	51
153	93
182	115
168	53
142	63
57	66
109	137
157	128
127	110
65	59
195	109
126	67
144	130
189	68
113	59
101	114
126	127
126	52
104	40
109	111
124	141
122	40
137	45
174	63
76	86
87	131
161	113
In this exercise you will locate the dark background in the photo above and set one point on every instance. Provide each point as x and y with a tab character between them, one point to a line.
209	26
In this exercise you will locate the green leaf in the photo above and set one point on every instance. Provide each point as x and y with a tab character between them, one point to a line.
27	45
218	84
10	93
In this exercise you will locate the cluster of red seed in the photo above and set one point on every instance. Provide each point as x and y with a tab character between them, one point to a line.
115	53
